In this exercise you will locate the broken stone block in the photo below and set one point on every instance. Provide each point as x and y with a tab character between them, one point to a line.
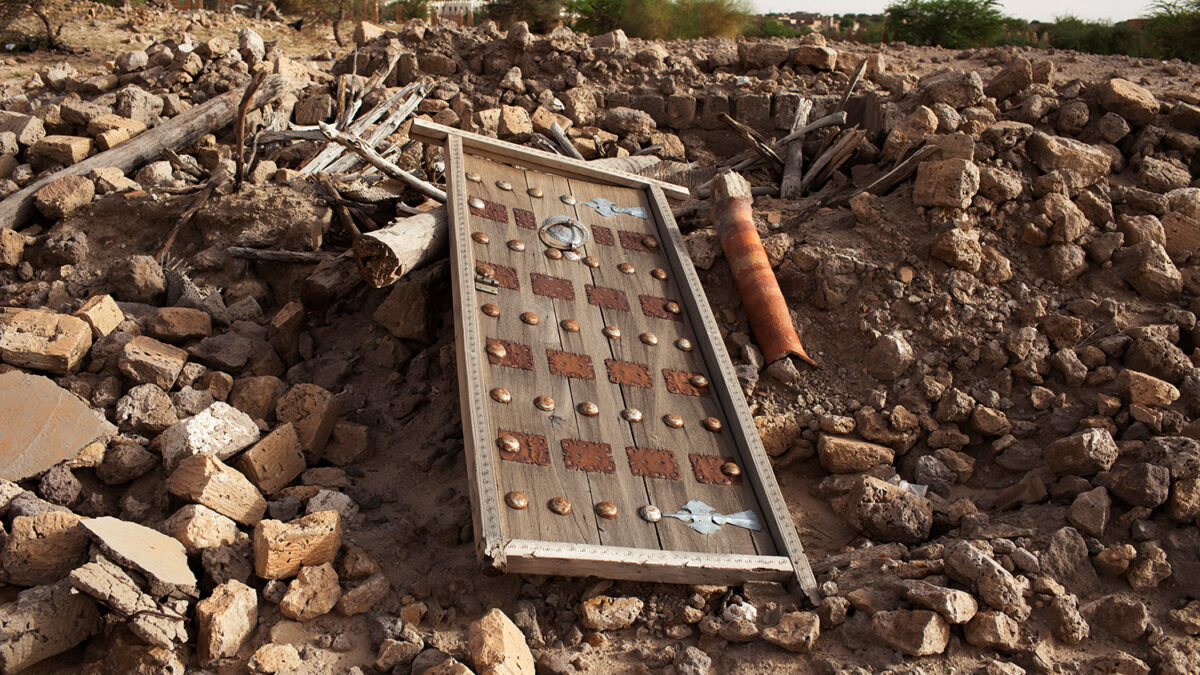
993	630
1081	164
124	461
1132	102
602	612
314	592
1150	271
225	620
818	57
102	314
221	431
179	324
847	455
514	124
404	312
146	360
209	481
145	409
956	607
257	396
38	340
137	278
60	486
947	183
280	549
199	527
956	88
363	597
63	196
55	425
12	247
275	461
43	622
796	632
313	411
1082	454
886	512
1146	390
916	632
44	548
497	646
992	583
347	443
1090	511
161	559
28	129
114	588
65	150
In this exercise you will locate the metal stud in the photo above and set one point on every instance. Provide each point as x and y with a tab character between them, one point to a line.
588	409
530	318
501	395
544	403
554	254
611	332
484	270
606	510
659	273
497	350
650	514
474	177
491	310
560	505
672	307
516	245
536	193
626	268
591	261
712	424
684	344
631	415
673	421
570	325
504	185
509	444
698	381
516	500
476	203
731	469
649	242
567	199
479	237
648	339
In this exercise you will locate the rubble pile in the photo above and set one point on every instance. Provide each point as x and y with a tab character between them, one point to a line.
214	459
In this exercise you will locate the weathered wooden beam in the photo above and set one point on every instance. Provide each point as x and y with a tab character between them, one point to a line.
359	146
385	255
793	162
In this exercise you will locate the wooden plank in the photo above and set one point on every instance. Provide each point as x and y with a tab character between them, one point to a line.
614	562
429	132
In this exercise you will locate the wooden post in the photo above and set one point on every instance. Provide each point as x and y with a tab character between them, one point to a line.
385	255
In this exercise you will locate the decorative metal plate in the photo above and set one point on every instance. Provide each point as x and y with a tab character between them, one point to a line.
608	298
657	308
602	235
503	275
652	463
533	448
516	355
566	364
525	218
629	373
679	382
636	241
493	211
707	469
552	287
588	456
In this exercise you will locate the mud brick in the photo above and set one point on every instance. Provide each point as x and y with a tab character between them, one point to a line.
53	618
211	482
28	128
148	361
313	411
652	463
516	355
552	287
280	549
533	448
566	364
198	527
219	430
588	456
348	443
608	298
707	469
629	373
257	396
177	324
12	248
754	110
64	196
274	461
284	331
65	150
102	314
55	343
43	548
225	620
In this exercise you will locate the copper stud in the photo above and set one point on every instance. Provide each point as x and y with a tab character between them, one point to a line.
501	395
474	177
650	514
631	415
571	255
570	325
530	318
516	500
536	193
606	510
497	350
712	424
626	268
504	185
509	444
476	203
516	245
554	254
611	332
591	261
544	403
480	237
659	273
698	381
588	409
672	307
491	310
560	505
673	421
567	199
484	270
648	339
684	344
731	469
649	242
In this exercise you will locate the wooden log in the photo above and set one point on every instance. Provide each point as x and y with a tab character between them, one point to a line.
793	162
269	255
385	255
180	131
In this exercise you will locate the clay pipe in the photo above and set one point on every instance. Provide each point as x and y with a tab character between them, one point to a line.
756	282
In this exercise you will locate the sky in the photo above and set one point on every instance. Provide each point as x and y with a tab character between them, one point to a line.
1039	10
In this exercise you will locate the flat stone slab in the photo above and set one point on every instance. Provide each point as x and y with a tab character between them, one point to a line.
45	425
162	559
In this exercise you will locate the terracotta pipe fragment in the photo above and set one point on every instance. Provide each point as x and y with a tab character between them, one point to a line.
765	305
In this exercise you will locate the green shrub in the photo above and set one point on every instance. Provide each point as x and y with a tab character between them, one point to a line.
541	15
957	24
663	19
771	29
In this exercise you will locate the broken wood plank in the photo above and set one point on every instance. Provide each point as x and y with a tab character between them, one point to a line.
268	255
359	146
332	151
754	139
793	163
834	119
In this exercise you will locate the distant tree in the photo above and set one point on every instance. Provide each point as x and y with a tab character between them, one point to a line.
541	15
771	29
1175	28
412	9
957	24
598	16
